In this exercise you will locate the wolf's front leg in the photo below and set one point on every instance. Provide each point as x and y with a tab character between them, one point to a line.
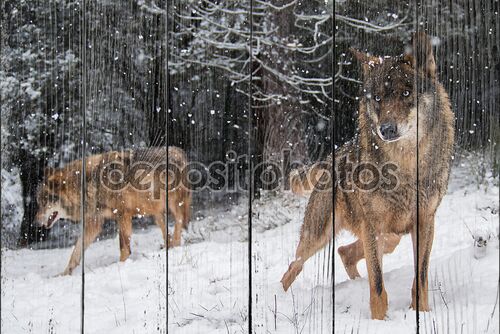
309	244
351	254
373	250
92	230
74	260
425	231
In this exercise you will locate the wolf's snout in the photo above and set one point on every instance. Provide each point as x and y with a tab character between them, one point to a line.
389	131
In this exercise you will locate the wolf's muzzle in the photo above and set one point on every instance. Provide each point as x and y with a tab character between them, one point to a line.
389	131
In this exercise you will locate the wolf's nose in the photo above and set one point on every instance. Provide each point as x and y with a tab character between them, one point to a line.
389	131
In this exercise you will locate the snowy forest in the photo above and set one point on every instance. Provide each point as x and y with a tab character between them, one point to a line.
256	78
208	79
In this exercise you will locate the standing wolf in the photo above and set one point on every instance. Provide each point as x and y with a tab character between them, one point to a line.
119	186
302	182
399	93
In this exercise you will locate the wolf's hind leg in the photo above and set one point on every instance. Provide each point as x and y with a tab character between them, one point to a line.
160	221
351	254
176	209
92	230
308	246
125	226
176	238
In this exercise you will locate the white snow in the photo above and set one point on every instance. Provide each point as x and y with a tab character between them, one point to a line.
208	278
11	206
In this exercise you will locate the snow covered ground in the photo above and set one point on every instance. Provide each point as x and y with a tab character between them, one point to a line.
208	278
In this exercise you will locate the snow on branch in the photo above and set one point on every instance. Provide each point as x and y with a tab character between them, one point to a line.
360	24
216	34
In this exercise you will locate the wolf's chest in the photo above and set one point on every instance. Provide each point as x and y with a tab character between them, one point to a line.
394	211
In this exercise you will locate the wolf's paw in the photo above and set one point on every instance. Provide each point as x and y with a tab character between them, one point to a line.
293	270
66	272
172	242
352	271
124	257
424	307
378	315
423	301
379	305
349	265
286	281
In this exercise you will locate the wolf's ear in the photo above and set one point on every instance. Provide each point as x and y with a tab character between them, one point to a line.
360	55
365	59
420	55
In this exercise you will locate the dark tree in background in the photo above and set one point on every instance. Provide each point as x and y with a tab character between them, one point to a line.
39	78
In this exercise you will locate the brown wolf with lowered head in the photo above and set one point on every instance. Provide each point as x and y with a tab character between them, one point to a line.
119	186
399	93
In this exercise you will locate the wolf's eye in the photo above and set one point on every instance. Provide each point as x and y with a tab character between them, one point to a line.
406	93
377	98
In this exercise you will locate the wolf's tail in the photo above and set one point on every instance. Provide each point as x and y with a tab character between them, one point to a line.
319	210
303	180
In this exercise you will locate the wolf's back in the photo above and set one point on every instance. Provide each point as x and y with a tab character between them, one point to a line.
177	164
158	156
303	180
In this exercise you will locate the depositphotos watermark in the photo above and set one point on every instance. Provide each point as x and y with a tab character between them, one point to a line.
233	175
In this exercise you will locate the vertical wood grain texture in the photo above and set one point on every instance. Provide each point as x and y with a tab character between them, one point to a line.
117	35
284	117
258	88
208	274
39	119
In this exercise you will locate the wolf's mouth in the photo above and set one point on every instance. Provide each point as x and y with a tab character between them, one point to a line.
377	133
388	140
52	219
391	140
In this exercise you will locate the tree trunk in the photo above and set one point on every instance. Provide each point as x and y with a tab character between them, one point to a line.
31	173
